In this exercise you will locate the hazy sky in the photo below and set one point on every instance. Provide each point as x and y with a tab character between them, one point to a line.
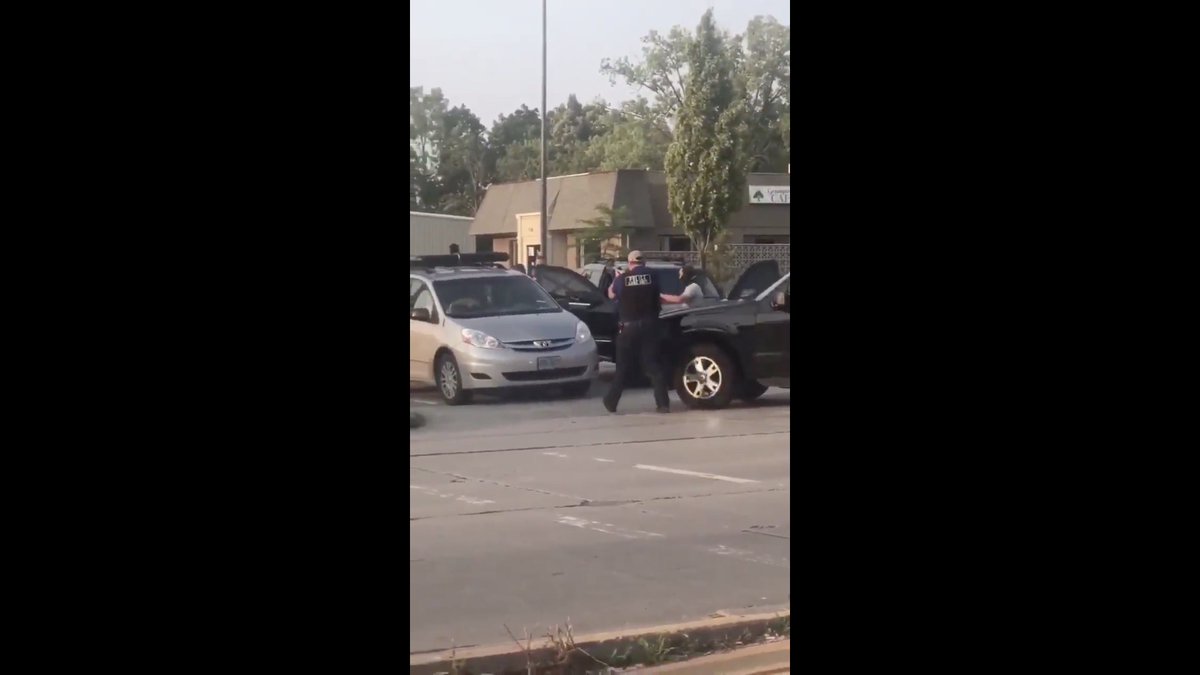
487	54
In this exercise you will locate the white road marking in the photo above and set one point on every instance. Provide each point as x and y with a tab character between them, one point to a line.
697	474
606	528
443	495
749	556
601	459
417	400
554	454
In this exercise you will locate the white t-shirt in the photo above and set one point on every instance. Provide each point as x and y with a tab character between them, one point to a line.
691	295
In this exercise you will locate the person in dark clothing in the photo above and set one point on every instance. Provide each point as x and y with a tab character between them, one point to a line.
453	249
640	332
606	276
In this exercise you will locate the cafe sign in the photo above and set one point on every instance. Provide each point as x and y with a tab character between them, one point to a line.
770	194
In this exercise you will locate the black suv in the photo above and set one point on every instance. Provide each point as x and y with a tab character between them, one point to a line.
736	346
665	271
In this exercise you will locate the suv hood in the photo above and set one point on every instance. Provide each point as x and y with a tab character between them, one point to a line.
519	327
713	308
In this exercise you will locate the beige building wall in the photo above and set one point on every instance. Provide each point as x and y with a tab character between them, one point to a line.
432	233
559	253
509	246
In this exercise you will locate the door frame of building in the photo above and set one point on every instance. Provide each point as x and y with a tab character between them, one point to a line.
523	246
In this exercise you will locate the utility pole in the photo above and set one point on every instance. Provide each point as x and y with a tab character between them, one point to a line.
544	224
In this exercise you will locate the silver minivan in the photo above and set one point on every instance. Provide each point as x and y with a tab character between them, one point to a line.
476	328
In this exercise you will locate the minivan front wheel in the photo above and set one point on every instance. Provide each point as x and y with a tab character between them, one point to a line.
450	382
707	377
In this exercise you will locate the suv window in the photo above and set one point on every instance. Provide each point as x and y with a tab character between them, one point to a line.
566	286
668	281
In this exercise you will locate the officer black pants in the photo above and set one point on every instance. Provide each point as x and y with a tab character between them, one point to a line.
639	343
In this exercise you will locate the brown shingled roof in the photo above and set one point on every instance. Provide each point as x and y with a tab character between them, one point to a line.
570	199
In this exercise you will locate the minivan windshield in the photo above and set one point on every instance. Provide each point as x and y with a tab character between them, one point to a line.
493	296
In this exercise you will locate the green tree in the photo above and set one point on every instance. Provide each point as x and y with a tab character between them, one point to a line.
461	162
765	74
608	232
572	127
519	161
761	66
414	176
508	154
426	114
662	70
705	167
634	139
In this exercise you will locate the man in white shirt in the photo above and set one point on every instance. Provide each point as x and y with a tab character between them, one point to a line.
691	294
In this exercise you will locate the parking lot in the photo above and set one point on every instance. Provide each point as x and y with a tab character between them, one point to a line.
491	409
529	511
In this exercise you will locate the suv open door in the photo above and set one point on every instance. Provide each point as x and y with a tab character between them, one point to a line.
580	297
756	279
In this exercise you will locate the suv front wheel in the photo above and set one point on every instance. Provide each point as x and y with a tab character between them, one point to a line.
707	378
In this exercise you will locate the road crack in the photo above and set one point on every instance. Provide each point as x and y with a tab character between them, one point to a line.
501	484
586	503
592	445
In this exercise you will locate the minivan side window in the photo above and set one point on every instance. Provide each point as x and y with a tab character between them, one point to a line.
422	298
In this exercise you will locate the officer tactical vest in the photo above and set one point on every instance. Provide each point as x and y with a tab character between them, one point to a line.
639	297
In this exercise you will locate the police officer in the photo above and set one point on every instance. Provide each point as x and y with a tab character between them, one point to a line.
640	332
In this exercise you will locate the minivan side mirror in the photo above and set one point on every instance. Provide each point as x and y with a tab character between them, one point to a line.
780	301
419	314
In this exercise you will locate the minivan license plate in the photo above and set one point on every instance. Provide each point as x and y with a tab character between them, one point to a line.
548	362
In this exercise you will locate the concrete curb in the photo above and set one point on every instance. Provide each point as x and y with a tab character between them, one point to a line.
415	420
503	659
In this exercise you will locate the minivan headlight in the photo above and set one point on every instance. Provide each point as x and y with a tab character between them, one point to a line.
582	333
478	339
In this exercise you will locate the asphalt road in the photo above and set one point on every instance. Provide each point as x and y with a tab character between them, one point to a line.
533	511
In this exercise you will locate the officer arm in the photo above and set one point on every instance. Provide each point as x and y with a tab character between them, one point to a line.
612	289
671	299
